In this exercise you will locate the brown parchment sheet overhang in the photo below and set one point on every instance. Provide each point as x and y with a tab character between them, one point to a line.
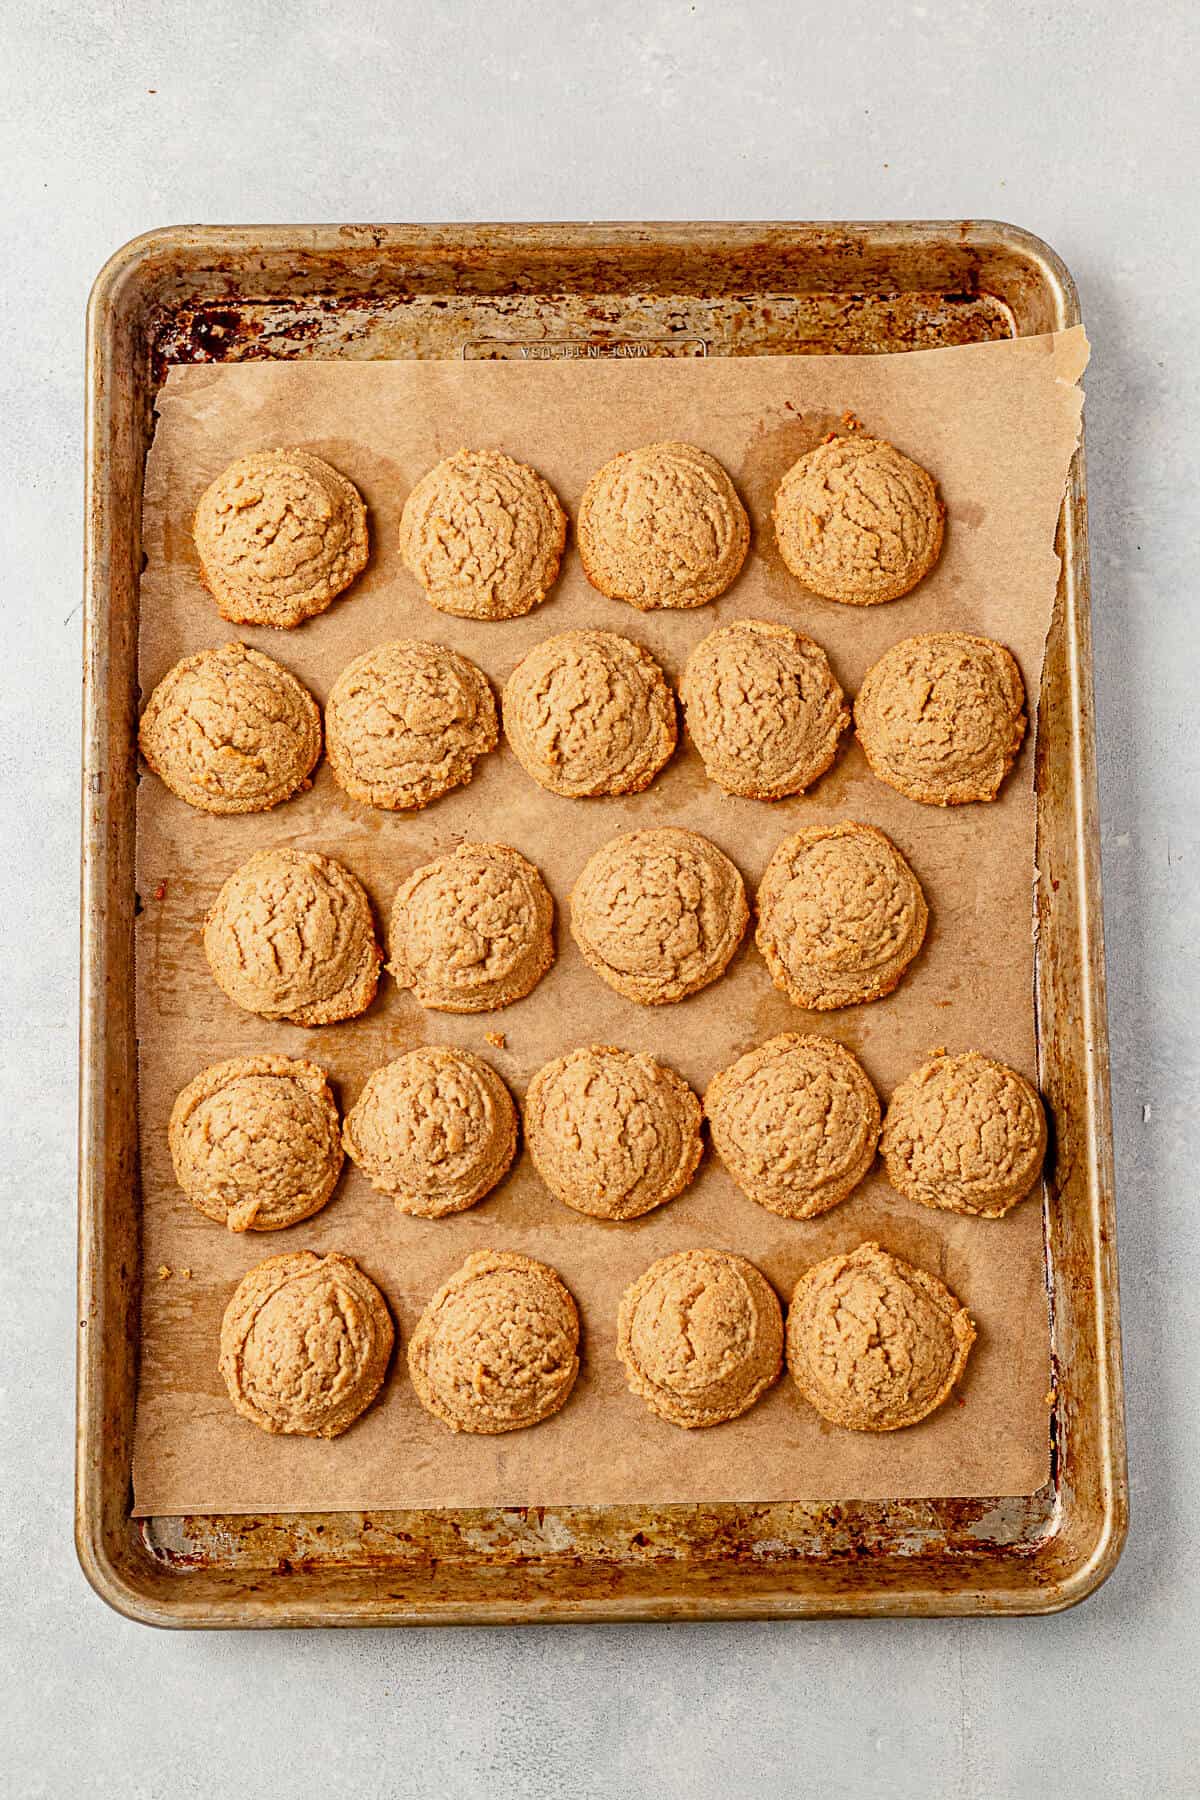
996	424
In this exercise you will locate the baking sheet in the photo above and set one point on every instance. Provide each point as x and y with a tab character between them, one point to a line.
997	424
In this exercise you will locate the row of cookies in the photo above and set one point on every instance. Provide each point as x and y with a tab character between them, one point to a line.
658	914
257	1144
280	533
306	1341
940	718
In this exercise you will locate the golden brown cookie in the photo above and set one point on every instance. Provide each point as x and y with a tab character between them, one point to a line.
873	1343
435	1130
763	708
280	534
941	717
701	1336
230	731
613	1133
406	722
473	931
255	1142
662	526
305	1344
290	936
497	1347
658	913
589	712
858	522
840	915
795	1122
965	1134
484	535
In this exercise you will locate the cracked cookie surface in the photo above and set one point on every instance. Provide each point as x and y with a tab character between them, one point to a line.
857	521
662	526
763	708
435	1130
290	936
965	1134
407	722
613	1133
701	1336
230	731
941	717
840	916
496	1349
796	1123
484	535
279	535
305	1344
255	1142
873	1343
472	931
658	913
589	712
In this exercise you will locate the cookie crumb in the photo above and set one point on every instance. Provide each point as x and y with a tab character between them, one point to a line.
164	1272
186	1273
496	1039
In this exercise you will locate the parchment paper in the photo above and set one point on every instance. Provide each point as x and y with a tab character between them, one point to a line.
997	424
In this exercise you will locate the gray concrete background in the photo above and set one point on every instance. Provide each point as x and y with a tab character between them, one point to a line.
1079	122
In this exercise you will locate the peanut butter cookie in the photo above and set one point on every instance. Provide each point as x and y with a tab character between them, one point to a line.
290	936
966	1134
484	536
589	712
658	913
611	1132
941	717
435	1130
406	722
763	708
230	731
858	522
255	1142
473	931
873	1343
305	1344
795	1122
662	526
701	1336
840	916
280	534
497	1347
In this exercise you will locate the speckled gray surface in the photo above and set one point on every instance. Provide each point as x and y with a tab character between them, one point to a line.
1078	122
